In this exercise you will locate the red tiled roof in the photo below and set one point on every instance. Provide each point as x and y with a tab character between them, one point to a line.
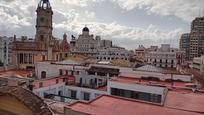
111	105
28	98
15	71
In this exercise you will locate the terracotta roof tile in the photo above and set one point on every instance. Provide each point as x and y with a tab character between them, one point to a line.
32	101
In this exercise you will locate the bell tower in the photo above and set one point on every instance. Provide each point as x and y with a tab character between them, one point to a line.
44	27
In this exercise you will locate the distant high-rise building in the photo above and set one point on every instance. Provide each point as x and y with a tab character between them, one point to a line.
185	44
5	50
193	43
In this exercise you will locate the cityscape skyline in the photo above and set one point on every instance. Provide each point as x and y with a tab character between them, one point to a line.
71	17
74	57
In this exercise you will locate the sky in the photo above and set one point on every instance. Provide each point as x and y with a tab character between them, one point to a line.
128	23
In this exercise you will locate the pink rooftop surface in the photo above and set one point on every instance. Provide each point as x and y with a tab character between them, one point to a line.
111	105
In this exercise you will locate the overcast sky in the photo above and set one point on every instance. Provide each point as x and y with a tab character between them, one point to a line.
128	23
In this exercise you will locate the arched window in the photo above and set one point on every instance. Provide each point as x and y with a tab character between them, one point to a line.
60	93
43	74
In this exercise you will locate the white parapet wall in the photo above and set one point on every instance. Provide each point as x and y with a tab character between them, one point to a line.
53	89
162	76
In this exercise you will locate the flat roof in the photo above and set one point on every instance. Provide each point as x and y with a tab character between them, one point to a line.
106	105
131	80
185	100
68	62
150	68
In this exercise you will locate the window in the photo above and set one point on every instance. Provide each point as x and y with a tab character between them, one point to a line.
72	72
41	37
60	72
25	58
100	82
86	96
136	95
57	81
97	95
80	81
73	94
172	66
30	58
95	81
43	74
43	58
60	93
77	73
67	72
172	61
64	79
21	59
41	84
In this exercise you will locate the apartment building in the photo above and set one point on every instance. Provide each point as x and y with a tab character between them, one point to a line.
165	57
193	43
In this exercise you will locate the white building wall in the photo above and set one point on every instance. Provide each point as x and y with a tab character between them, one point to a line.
87	78
138	88
198	63
112	53
138	74
135	87
52	70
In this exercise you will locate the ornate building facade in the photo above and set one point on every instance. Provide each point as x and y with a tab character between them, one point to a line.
87	45
26	52
165	57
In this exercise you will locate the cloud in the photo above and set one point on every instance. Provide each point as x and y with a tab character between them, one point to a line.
14	15
184	9
129	36
81	3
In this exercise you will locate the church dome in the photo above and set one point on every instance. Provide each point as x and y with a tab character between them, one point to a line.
85	29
